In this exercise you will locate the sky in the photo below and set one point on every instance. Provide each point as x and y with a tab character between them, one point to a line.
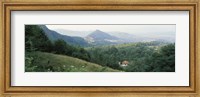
130	29
111	28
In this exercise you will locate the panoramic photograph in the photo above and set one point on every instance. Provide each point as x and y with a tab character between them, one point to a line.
100	48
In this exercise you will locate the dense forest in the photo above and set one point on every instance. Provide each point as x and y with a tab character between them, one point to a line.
154	56
142	57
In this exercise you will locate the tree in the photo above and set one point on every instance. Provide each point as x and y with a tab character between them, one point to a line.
164	60
60	47
36	40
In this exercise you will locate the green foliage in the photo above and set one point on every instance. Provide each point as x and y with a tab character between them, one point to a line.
29	66
142	57
36	40
60	47
164	59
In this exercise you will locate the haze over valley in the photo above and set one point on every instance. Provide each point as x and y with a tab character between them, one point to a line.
104	36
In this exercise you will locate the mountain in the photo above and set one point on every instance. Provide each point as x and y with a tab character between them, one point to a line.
53	35
158	36
99	37
73	33
143	37
125	36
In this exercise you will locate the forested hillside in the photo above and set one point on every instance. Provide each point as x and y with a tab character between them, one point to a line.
44	55
142	57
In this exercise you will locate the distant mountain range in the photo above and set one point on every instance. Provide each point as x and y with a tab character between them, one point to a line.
53	35
133	37
125	37
99	37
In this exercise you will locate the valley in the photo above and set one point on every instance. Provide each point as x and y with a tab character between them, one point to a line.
47	50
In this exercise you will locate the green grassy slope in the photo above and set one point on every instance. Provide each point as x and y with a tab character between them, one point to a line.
48	62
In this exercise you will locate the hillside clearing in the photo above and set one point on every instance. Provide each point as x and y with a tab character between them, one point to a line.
48	62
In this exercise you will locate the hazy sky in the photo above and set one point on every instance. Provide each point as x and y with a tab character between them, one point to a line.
131	29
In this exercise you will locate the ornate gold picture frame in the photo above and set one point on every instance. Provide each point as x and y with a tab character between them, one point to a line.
99	5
